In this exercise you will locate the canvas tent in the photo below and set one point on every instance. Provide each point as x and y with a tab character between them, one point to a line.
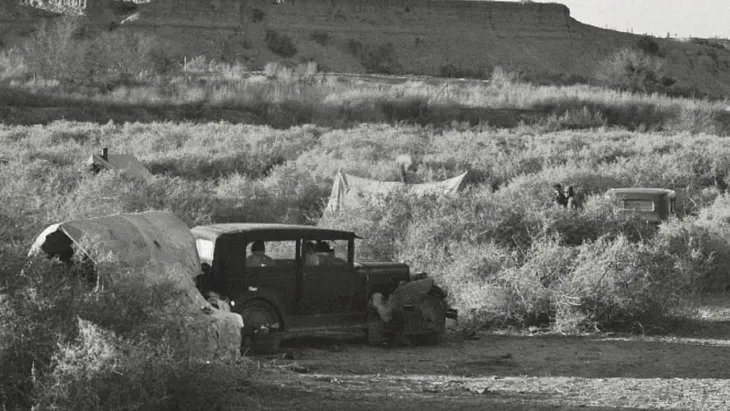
125	162
158	244
349	191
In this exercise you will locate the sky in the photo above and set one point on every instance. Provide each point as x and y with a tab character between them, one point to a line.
685	18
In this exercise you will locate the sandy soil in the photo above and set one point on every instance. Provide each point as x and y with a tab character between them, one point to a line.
526	371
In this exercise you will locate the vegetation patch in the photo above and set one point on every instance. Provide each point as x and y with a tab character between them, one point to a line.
649	45
65	345
715	43
257	15
453	71
381	59
635	71
280	44
321	37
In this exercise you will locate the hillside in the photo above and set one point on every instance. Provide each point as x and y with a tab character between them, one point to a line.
416	36
461	38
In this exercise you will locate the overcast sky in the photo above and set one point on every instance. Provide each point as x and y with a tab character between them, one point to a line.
696	18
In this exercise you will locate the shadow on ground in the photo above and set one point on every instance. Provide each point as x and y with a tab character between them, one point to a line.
273	397
702	351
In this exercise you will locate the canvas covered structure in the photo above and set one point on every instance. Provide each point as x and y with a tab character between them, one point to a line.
124	162
161	247
350	192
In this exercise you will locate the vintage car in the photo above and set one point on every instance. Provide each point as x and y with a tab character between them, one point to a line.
656	204
294	279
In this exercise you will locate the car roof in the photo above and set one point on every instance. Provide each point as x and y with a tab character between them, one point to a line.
643	190
270	232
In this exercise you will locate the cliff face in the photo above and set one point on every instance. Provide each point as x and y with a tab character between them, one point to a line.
403	36
427	36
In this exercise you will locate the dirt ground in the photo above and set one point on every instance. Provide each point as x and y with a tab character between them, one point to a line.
523	371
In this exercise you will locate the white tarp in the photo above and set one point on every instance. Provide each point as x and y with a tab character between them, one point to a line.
349	192
161	246
125	162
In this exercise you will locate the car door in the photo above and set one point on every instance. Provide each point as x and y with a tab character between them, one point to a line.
328	282
279	276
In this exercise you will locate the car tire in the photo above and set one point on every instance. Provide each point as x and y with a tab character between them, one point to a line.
255	314
427	339
376	330
434	307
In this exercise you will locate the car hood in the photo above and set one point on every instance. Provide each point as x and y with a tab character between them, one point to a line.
384	268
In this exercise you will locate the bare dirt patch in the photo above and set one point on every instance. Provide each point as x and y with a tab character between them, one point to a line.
510	371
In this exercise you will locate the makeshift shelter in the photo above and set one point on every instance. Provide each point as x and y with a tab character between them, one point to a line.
157	244
125	162
349	191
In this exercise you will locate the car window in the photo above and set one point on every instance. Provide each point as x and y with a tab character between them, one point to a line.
322	253
639	205
271	254
205	249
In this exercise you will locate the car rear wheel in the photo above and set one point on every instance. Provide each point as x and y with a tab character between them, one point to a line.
376	329
434	316
260	326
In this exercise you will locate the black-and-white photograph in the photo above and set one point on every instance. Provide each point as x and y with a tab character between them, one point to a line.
401	205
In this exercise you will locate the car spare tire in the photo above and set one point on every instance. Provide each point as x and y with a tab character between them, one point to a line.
261	324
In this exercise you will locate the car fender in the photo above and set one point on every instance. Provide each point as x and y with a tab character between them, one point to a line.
266	295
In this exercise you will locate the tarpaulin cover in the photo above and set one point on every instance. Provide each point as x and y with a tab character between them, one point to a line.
158	244
350	192
124	162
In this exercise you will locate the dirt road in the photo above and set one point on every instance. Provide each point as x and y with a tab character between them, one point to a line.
534	372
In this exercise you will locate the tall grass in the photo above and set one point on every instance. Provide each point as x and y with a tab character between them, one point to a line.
504	253
123	70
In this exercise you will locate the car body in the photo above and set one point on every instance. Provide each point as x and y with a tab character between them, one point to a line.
655	204
329	294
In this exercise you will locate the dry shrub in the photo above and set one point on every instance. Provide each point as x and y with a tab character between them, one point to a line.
598	218
286	195
67	345
699	246
502	78
280	44
575	118
696	121
99	370
112	192
529	286
633	70
54	51
321	37
618	284
597	290
12	64
381	224
285	74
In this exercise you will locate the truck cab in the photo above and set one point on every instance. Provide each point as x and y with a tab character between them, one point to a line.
654	204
